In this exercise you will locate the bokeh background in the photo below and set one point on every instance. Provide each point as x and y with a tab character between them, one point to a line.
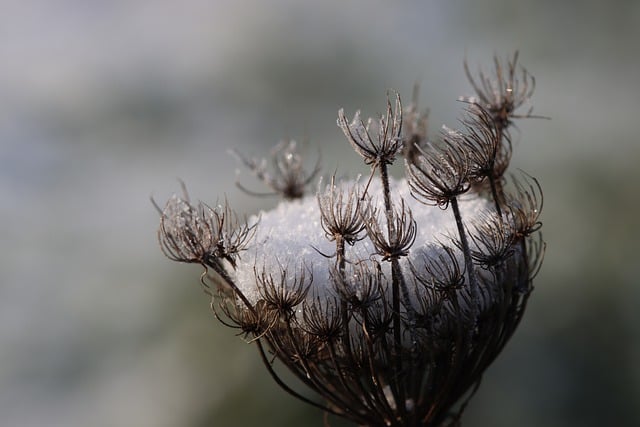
106	103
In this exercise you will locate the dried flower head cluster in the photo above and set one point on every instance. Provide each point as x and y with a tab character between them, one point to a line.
389	299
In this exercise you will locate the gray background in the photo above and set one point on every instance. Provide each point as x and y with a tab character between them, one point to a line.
104	103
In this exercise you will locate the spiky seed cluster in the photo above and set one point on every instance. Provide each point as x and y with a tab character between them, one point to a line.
289	179
415	128
502	92
525	205
383	148
201	234
394	326
394	242
341	215
283	294
493	239
440	172
379	154
482	140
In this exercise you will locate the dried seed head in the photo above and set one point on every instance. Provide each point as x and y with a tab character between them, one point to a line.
253	323
186	232
525	205
385	343
437	282
395	241
441	172
415	128
323	319
387	143
503	91
364	291
232	235
341	215
489	153
439	295
361	286
201	234
353	330
288	178
492	240
284	293
443	270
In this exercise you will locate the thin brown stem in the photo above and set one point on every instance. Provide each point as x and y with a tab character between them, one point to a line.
468	260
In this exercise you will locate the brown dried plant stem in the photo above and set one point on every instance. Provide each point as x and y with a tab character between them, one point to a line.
344	311
497	192
468	260
284	386
219	269
397	282
497	196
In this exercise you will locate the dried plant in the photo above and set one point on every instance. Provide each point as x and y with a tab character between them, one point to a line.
381	151
504	91
390	308
288	179
341	216
415	125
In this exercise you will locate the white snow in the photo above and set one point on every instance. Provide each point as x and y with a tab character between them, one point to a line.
291	237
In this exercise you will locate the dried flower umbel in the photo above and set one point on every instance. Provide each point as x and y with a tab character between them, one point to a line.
391	298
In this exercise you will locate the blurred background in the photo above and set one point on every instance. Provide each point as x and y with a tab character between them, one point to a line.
106	103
